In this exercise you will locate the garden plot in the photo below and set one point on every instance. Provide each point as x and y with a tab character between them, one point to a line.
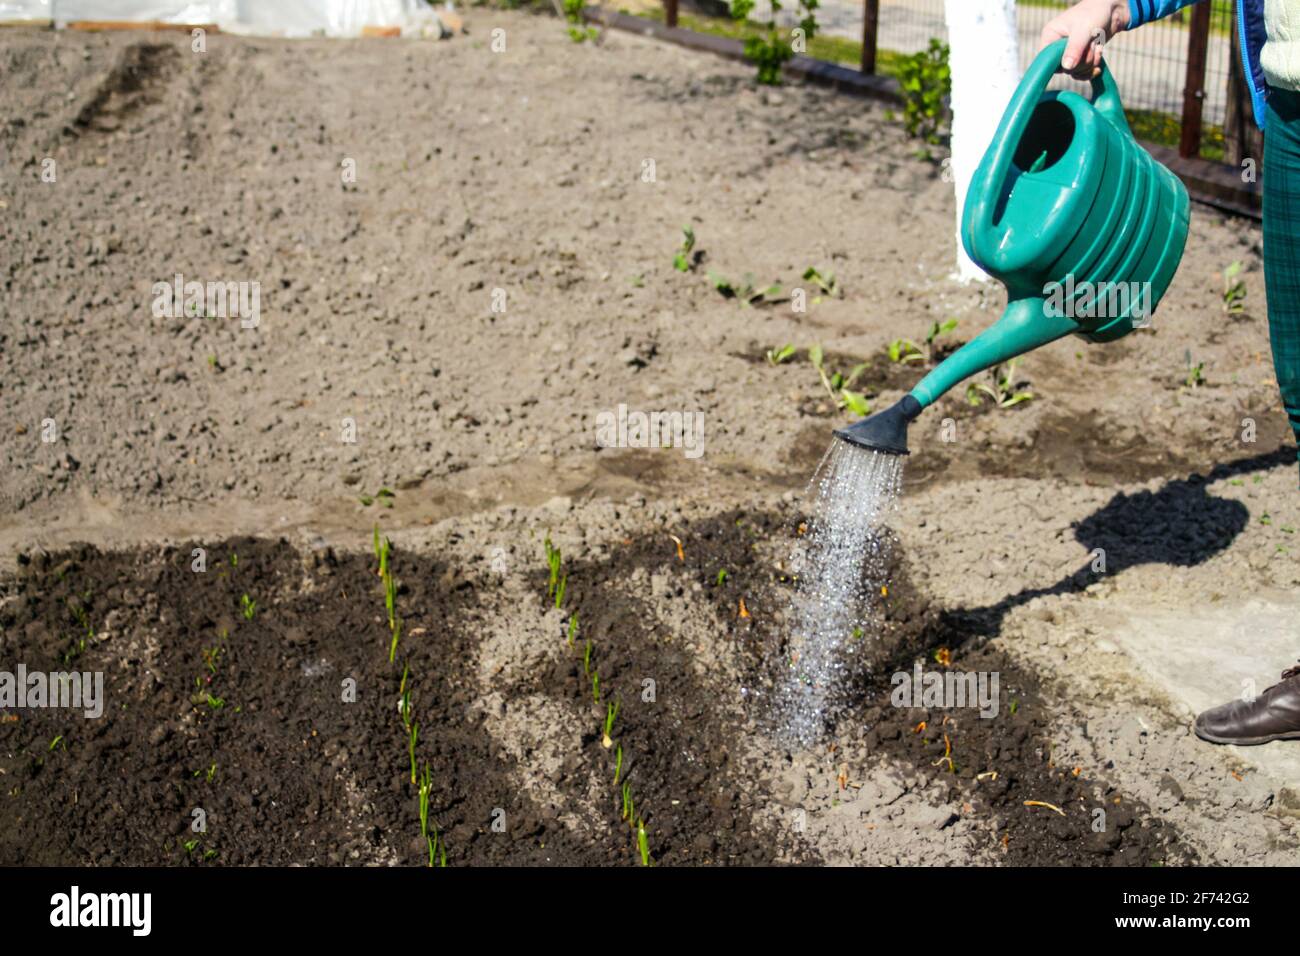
476	444
255	716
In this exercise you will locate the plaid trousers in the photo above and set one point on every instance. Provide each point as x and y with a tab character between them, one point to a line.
1282	245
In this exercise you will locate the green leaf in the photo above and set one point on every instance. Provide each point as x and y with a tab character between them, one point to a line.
856	402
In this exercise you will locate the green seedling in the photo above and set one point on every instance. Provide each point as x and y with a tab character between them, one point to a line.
627	800
642	842
1002	388
390	599
586	659
573	627
397	634
559	591
683	261
384	496
216	703
248	606
56	741
426	785
234	560
618	764
578	32
745	292
905	350
83	619
437	849
838	386
828	284
413	734
1234	289
722	577
611	714
937	331
212	657
553	566
404	707
595	688
190	845
1195	372
775	356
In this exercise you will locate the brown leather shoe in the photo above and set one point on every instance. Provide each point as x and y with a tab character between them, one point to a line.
1273	715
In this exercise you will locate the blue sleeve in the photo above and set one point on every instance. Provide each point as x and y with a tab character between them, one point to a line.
1144	11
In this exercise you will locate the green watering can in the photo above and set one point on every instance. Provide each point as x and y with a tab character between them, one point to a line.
1079	222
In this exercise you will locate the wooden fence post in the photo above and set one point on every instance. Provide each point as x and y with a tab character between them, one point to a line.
670	12
1198	45
870	30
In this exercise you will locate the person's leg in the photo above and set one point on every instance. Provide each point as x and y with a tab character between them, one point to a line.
1275	714
1282	245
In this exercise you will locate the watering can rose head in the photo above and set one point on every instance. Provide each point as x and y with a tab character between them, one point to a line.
1079	222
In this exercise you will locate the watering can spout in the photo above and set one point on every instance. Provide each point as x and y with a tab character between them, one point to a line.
884	431
1026	324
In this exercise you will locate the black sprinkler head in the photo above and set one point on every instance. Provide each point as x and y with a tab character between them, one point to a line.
884	431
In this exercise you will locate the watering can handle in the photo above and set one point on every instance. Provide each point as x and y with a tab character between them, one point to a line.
986	188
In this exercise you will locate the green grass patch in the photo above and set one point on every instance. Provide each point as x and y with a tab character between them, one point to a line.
831	49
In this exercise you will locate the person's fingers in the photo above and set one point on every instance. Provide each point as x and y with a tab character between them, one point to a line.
1076	50
1094	59
1051	33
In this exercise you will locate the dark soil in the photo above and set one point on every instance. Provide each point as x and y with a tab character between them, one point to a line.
683	740
288	773
297	776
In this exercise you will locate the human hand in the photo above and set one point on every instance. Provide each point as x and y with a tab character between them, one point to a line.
1086	26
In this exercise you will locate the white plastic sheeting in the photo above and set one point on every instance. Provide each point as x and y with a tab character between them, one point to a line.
25	10
291	18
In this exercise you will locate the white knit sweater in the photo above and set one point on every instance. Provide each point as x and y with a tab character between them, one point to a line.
1281	56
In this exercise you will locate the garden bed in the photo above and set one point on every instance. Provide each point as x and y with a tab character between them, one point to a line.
228	694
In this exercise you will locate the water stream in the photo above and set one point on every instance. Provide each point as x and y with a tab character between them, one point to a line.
839	565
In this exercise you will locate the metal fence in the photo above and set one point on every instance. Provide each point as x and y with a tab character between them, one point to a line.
1180	76
1156	66
1150	63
